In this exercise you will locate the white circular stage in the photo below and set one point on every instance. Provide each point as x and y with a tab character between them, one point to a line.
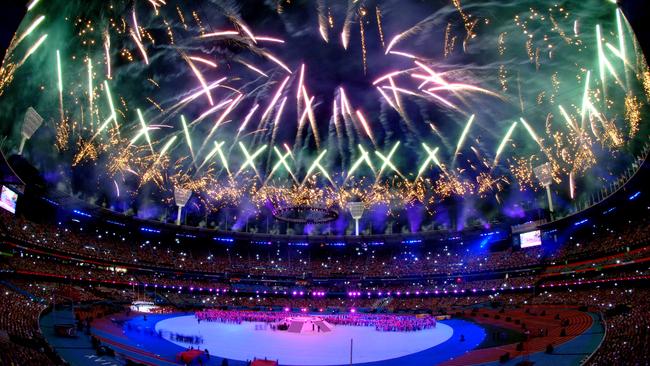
249	340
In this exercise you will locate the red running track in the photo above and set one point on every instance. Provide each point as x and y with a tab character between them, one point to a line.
579	322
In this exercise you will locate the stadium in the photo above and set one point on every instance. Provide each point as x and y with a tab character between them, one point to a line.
324	183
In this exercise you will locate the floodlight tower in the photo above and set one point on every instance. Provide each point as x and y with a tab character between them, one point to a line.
181	196
545	177
356	210
31	123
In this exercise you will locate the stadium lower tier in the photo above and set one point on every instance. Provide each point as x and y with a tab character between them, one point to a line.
564	327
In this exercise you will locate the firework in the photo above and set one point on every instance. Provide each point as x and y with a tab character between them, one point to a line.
220	34
282	161
58	72
431	157
27	32
202	60
32	4
166	147
316	165
365	157
255	69
250	159
248	117
310	114
365	125
164	67
503	143
276	96
220	120
109	97
188	138
569	121
276	122
107	52
211	111
200	78
585	99
269	39
531	132
248	32
143	131
633	113
277	61
33	48
143	51
463	135
386	161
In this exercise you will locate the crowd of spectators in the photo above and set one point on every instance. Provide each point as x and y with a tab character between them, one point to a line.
625	312
596	277
436	305
21	342
23	263
381	322
604	240
627	339
599	262
453	285
48	292
90	277
118	248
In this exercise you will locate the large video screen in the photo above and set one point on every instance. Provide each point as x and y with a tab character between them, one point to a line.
8	199
530	239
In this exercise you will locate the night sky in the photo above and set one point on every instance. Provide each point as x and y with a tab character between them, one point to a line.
329	67
636	12
10	17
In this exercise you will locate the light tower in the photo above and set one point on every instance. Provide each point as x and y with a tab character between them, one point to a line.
545	177
181	196
356	210
31	123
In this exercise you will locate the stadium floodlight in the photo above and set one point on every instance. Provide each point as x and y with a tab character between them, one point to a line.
31	123
545	177
181	196
356	210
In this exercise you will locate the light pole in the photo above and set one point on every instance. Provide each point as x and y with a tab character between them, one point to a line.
181	196
356	210
31	123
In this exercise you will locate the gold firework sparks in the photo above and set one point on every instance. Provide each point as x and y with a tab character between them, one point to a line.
645	77
364	51
632	113
62	135
522	170
501	43
450	41
381	32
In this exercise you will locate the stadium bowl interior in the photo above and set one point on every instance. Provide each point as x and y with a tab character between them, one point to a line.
368	182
